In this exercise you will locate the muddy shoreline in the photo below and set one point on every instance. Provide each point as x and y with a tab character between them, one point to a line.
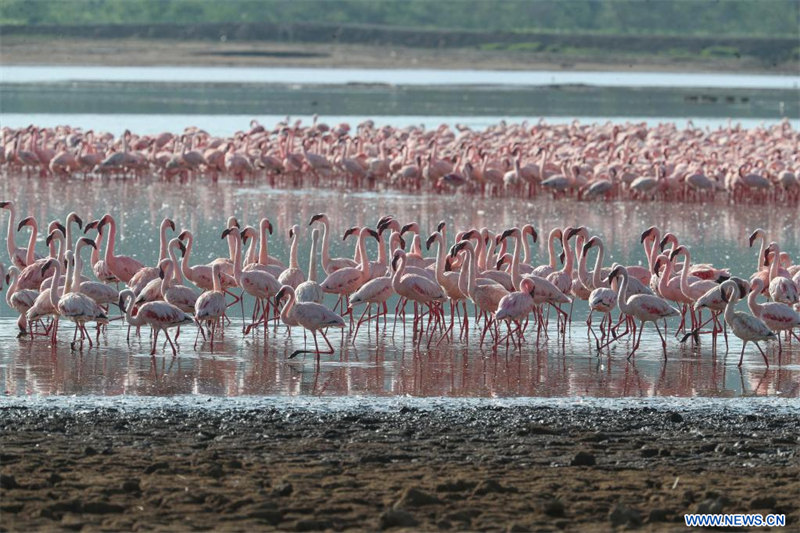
46	50
274	465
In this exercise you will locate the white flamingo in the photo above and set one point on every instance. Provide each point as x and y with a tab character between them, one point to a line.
746	327
311	316
160	316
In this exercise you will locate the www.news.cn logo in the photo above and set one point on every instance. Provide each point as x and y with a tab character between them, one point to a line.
734	520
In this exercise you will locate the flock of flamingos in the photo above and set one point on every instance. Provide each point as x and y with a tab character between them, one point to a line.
585	161
433	273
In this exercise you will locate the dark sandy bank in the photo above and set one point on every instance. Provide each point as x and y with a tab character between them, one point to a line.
477	465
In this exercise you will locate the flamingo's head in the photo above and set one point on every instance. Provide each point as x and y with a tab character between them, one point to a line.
6	205
55	234
168	222
527	285
668	238
441	225
107	219
293	231
179	244
351	231
396	257
73	217
91	225
231	231
247	233
591	242
530	230
755	235
320	216
185	234
458	247
413	226
615	272
87	242
28	221
649	233
431	239
50	263
508	233
677	251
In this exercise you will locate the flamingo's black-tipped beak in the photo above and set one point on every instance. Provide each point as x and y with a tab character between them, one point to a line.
448	267
171	224
89	242
587	246
383	225
663	243
182	247
291	233
183	235
280	295
47	265
375	234
78	221
646	233
406	228
394	261
60	226
160	272
8	279
753	237
657	265
315	218
349	232
226	232
562	257
430	241
402	242
24	222
499	263
744	287
90	225
440	226
572	232
384	219
507	233
675	252
3	205
534	234
236	223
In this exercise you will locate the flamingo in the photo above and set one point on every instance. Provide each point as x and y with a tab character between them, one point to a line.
644	307
746	327
781	287
345	281
603	298
311	316
77	307
160	316
176	293
201	275
123	267
210	306
19	299
419	289
266	262
516	306
776	315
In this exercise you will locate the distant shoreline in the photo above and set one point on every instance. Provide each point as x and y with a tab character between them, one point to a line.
45	50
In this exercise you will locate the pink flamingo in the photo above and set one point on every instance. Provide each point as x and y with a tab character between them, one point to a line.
776	315
346	281
746	327
210	306
20	257
145	275
160	316
293	275
77	307
21	300
311	316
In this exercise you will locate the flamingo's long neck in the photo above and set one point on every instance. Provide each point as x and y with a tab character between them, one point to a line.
762	260
312	261
293	263
440	258
326	257
112	237
251	253
68	276
176	272
137	320
622	293
663	280
162	245
551	248
76	276
11	244
217	287
31	255
13	287
398	273
773	266
755	307
68	235
583	274
597	278
185	268
263	256
96	250
479	251
516	277
61	248
287	309
166	281
381	250
54	296
237	260
362	249
473	267
685	273
526	249
568	257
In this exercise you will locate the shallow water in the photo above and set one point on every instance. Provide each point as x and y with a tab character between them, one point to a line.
385	364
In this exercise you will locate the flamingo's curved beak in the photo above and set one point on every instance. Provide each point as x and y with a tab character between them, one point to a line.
78	221
171	224
89	242
24	222
507	233
663	243
315	218
440	226
430	240
90	225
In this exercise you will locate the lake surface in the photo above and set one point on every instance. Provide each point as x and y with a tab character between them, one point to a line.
386	364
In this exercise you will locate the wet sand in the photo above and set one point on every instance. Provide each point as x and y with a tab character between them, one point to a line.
267	465
33	50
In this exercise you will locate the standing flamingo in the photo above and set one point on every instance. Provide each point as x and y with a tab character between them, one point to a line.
644	307
746	327
293	275
19	299
20	257
776	315
147	274
309	290
210	306
77	307
311	316
160	316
